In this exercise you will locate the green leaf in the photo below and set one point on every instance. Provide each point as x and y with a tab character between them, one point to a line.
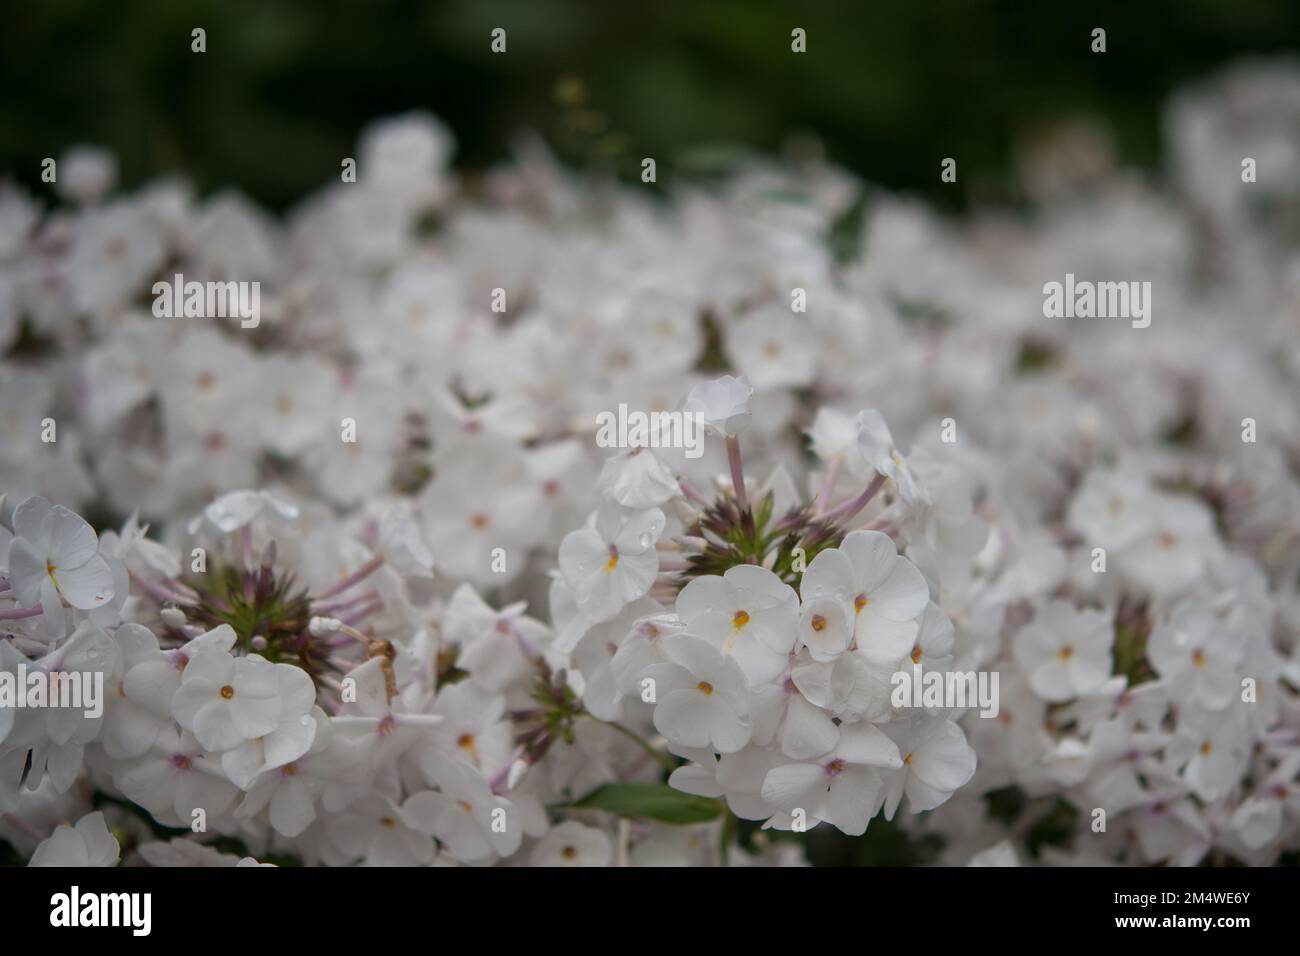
847	231
652	801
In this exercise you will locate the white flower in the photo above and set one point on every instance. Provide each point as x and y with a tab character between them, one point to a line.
771	350
290	393
402	544
1064	652
834	436
843	786
636	478
175	778
497	647
1000	854
115	251
289	739
1177	550
226	701
825	626
473	823
477	510
572	844
289	793
876	444
612	561
473	728
1196	656
748	614
1112	507
612	654
86	173
702	698
1214	747
237	509
936	762
88	843
406	155
723	403
54	557
130	727
374	831
882	593
150	679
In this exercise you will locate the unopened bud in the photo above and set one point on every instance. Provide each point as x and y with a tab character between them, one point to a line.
321	626
516	773
173	617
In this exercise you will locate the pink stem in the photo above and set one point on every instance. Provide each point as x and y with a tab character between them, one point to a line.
737	472
17	613
360	574
689	491
246	545
828	485
159	593
342	603
361	613
850	508
15	820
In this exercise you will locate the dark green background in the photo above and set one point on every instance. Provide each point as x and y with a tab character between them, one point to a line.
891	86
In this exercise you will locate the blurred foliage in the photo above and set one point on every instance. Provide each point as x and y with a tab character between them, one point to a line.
891	86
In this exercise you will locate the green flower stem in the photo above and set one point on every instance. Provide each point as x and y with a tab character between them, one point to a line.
663	758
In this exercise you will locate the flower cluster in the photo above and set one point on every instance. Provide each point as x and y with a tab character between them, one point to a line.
759	633
369	584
